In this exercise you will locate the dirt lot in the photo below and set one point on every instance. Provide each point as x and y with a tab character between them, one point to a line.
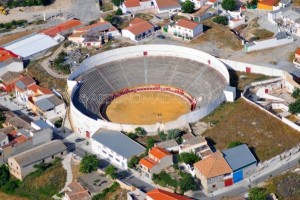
240	121
11	37
286	186
219	34
10	197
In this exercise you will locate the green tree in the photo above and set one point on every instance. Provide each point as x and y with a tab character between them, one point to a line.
117	2
189	158
228	5
109	17
296	93
187	182
140	131
257	194
133	162
10	186
4	174
234	144
188	7
119	12
162	136
89	163
163	179
174	134
220	20
294	108
111	171
132	135
150	143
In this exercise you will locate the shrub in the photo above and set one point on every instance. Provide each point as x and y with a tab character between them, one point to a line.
119	12
228	5
4	174
89	163
132	135
257	194
296	93
162	136
140	131
234	144
163	179
188	7
189	158
111	171
221	20
133	162
187	182
294	108
58	123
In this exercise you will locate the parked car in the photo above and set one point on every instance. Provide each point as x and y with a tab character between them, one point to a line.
31	114
79	140
161	37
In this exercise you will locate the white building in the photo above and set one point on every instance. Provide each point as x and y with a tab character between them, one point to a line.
32	46
3	139
287	19
10	62
235	19
130	6
116	147
138	29
185	28
162	6
198	3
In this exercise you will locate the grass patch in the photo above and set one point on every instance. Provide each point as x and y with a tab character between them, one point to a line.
220	34
43	78
144	16
241	121
11	197
262	34
285	186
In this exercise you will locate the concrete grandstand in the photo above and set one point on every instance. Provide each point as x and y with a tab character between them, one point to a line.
202	78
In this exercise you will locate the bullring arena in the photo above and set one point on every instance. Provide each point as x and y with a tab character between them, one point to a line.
152	86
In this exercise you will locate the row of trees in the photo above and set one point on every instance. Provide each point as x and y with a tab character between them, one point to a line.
23	3
59	64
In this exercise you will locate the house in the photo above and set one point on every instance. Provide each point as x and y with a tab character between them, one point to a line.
212	3
235	19
162	6
198	3
284	3
296	61
63	28
32	46
9	79
40	124
287	19
3	139
195	144
213	172
185	29
21	87
16	121
75	191
203	13
48	106
10	61
138	29
267	5
157	160
116	147
241	161
280	38
130	6
159	194
169	145
23	164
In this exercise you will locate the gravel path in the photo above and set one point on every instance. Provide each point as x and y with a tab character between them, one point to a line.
67	166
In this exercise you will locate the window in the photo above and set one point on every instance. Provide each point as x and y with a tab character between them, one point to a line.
17	167
110	155
104	152
213	186
11	164
62	153
118	160
52	157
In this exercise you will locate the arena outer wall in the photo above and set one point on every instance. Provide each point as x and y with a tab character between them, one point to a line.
87	126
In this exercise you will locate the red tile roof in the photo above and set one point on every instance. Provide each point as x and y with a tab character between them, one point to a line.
77	192
189	24
158	194
212	1
213	165
38	89
138	26
62	27
6	54
132	3
147	162
163	4
159	152
20	139
297	51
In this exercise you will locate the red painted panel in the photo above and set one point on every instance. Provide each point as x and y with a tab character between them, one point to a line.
228	182
266	91
248	69
145	53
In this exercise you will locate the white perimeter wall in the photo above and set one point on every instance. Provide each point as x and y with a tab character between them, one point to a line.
83	123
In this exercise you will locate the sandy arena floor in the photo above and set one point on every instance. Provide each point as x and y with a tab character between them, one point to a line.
144	107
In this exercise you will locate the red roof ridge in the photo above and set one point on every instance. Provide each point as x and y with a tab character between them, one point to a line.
159	194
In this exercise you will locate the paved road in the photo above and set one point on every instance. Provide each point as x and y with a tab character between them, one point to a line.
86	11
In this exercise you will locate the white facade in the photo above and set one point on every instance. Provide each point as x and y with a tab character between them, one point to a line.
133	37
181	31
108	154
4	140
144	5
56	112
198	3
168	9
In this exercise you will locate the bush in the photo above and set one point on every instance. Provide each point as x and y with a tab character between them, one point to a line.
150	143
111	171
174	134
114	187
188	7
88	164
162	136
58	123
187	182
4	174
189	158
10	186
117	2
163	179
132	135
257	194
133	162
234	144
140	131
221	20
119	12
296	93
294	108
228	5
